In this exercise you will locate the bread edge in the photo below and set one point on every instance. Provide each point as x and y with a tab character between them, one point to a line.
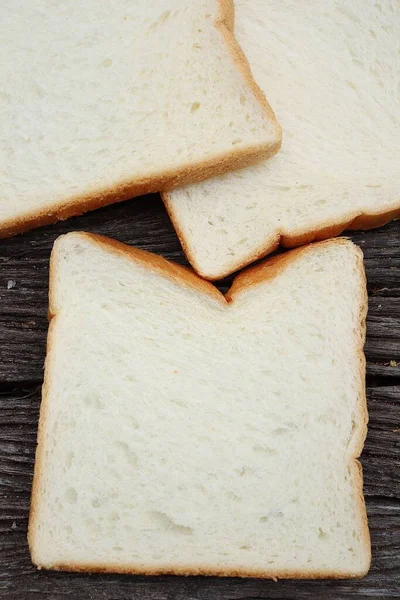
324	231
226	24
154	262
181	275
208	571
218	164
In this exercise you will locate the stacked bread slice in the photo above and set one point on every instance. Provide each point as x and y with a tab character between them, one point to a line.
331	70
108	100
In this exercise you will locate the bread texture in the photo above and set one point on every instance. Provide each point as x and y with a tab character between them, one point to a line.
186	432
332	72
108	100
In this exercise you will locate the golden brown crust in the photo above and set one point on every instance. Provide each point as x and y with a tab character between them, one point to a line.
324	232
219	164
40	455
124	191
182	275
264	271
273	266
207	570
178	273
379	219
361	406
227	13
226	24
362	409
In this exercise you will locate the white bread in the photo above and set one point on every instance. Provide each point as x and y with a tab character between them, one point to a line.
184	432
332	72
105	100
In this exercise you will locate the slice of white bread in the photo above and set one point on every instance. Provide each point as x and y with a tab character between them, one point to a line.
105	100
184	432
332	72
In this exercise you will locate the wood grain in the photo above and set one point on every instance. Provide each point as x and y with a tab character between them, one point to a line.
23	328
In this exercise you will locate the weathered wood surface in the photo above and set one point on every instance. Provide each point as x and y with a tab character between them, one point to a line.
23	327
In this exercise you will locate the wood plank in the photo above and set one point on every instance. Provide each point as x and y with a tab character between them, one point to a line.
381	456
144	223
383	329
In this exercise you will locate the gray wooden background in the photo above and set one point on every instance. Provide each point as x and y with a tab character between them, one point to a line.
23	327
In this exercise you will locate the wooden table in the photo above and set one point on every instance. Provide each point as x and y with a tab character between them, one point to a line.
23	325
